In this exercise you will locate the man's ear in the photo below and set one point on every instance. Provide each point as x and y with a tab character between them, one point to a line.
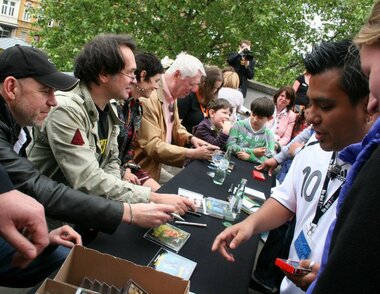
8	88
177	74
105	78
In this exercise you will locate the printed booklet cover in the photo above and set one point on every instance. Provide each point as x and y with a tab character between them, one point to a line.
173	264
168	236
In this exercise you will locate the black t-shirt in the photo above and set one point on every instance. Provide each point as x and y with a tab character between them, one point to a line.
103	126
301	97
189	110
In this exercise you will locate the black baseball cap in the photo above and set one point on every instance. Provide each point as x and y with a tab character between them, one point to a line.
27	62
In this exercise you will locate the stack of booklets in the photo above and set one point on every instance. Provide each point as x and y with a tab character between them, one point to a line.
172	238
249	205
255	195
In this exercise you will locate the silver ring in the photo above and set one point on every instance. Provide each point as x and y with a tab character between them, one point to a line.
311	265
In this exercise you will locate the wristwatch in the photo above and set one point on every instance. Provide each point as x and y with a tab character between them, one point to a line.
189	139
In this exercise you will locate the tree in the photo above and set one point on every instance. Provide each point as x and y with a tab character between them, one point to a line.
281	31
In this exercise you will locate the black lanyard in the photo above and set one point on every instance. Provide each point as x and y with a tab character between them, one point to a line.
322	206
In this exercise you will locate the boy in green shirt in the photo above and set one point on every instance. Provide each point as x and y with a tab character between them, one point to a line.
250	139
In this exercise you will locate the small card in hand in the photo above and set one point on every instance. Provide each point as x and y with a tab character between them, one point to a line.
173	264
195	197
168	236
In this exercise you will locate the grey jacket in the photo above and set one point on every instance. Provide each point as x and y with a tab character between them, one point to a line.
68	149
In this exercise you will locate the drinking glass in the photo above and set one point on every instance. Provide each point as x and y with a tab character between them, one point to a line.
217	157
221	171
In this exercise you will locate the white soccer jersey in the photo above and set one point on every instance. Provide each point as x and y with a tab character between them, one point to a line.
300	193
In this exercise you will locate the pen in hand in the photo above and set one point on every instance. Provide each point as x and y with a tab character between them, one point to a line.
177	216
194	213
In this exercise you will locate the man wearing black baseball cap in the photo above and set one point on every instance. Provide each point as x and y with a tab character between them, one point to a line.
27	62
27	83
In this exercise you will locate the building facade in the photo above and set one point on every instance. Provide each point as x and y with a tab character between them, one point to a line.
15	19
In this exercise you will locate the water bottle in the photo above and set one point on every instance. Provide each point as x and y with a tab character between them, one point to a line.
238	198
227	155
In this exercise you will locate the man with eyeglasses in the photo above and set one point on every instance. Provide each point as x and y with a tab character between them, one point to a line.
162	139
78	143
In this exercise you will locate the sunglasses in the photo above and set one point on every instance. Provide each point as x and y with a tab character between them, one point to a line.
171	110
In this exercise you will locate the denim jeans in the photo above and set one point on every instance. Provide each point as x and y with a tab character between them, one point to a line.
277	245
47	262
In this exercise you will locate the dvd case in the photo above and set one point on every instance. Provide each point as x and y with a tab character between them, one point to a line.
218	208
173	264
168	236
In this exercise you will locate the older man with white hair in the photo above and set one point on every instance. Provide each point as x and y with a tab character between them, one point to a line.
162	138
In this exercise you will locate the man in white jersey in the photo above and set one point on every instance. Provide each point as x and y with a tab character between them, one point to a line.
338	93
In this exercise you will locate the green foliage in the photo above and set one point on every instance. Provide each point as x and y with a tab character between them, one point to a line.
281	31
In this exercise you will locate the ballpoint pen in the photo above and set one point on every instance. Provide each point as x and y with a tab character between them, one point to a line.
190	224
194	213
177	216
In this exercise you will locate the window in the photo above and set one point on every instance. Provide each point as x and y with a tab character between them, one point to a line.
4	7
12	8
8	7
23	35
5	31
26	15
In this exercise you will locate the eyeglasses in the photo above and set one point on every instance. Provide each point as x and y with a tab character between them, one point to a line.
131	76
171	110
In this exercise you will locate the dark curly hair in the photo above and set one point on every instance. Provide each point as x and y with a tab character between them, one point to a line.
101	55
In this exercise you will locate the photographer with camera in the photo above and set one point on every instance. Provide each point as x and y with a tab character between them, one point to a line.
244	64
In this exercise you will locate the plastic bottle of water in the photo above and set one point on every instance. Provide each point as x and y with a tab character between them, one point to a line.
238	198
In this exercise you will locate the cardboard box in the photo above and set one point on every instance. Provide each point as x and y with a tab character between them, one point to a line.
85	262
51	286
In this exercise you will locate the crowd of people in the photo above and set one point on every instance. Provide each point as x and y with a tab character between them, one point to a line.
81	154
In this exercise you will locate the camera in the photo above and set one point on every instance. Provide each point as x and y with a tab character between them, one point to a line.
247	54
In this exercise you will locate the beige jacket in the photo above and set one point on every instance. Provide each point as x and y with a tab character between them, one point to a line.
152	149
